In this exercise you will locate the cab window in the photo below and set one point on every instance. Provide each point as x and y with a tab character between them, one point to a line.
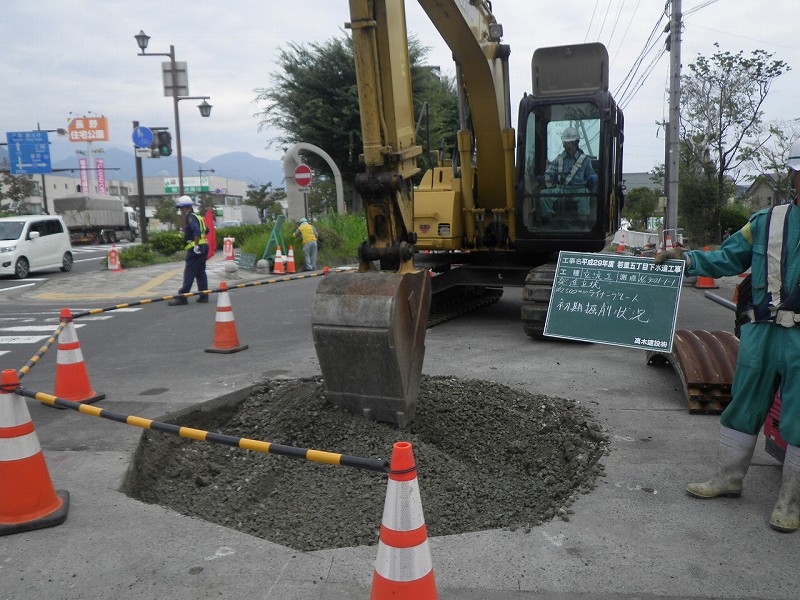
562	148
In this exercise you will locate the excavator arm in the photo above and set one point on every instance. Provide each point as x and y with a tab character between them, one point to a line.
369	327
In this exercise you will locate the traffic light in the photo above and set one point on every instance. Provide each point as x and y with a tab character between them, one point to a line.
164	143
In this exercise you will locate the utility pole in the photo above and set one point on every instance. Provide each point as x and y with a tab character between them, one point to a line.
673	127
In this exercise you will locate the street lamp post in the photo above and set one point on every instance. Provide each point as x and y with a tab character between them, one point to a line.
142	39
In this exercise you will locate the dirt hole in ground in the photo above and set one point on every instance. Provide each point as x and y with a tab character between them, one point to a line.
488	456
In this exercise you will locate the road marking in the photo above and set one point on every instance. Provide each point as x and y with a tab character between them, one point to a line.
22	339
137	292
35	327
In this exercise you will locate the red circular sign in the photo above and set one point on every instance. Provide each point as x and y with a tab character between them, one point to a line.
302	175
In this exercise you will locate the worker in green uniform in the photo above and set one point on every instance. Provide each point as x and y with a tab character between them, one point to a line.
769	349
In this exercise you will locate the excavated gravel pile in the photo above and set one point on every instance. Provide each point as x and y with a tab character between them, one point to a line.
488	456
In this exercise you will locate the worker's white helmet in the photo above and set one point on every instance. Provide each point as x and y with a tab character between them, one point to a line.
794	157
570	134
184	201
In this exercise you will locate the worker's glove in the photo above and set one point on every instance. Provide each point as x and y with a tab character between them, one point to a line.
197	250
591	182
672	253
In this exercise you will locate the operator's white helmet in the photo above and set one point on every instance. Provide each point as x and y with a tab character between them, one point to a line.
184	201
794	157
570	134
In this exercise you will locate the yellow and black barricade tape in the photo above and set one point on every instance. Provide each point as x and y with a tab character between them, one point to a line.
320	456
96	311
43	350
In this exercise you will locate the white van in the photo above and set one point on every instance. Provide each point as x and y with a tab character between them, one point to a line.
33	243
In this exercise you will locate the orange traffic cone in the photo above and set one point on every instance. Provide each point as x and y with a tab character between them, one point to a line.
403	568
278	268
707	283
226	339
27	498
668	243
621	246
72	378
290	266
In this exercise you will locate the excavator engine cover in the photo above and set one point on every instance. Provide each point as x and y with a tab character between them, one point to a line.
369	333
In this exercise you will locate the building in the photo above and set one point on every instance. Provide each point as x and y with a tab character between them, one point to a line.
224	191
767	190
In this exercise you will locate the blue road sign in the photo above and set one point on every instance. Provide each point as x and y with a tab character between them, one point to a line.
29	152
142	137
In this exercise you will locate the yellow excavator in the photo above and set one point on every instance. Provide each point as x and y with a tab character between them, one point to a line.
494	215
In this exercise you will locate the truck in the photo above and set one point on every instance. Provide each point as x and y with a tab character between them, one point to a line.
97	219
484	219
243	213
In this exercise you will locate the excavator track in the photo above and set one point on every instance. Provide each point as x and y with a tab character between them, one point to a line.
705	362
460	301
536	299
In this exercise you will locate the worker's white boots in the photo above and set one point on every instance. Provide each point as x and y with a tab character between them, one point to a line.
786	514
735	453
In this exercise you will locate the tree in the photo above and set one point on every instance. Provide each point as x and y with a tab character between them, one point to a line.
266	200
769	154
15	188
314	99
641	204
205	202
167	213
721	102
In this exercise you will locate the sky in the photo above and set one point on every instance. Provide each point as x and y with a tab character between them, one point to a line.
75	58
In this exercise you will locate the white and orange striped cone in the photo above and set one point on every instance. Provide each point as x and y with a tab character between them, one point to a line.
278	268
668	243
72	378
621	246
403	568
27	498
114	263
290	266
226	338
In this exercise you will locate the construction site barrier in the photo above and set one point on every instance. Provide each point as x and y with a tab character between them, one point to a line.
319	456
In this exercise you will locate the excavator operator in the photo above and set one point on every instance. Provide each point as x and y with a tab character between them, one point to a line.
769	350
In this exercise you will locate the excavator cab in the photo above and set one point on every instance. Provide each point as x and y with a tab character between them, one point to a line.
569	153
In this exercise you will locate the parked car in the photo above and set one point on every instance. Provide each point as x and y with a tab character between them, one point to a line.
33	243
230	224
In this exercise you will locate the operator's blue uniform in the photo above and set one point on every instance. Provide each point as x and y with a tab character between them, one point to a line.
769	353
195	263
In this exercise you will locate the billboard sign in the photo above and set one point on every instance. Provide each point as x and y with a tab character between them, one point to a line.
88	129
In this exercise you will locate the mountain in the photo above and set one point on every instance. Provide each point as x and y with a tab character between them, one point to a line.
241	166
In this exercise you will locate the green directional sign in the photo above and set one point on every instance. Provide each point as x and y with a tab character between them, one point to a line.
615	299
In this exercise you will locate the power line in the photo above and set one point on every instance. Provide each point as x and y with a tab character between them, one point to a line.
588	29
624	87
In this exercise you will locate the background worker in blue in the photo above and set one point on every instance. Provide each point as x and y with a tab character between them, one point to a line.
194	233
769	350
309	234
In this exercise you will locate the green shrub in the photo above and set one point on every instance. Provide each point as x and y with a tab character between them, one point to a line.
140	256
167	242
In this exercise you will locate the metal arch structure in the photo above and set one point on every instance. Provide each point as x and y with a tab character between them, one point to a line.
291	160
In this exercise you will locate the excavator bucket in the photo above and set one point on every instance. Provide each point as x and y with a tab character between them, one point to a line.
369	333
